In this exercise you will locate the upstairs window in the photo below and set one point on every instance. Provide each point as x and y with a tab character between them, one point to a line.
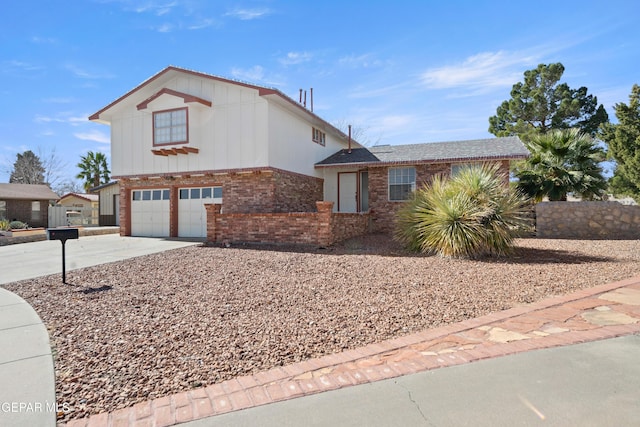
170	127
402	182
318	136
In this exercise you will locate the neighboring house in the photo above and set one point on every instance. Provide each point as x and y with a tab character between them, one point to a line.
184	139
26	202
109	196
82	208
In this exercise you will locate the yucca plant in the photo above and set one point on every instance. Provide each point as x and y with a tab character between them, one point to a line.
472	214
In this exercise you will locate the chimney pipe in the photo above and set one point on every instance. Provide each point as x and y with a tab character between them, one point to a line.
305	99
311	95
300	96
349	139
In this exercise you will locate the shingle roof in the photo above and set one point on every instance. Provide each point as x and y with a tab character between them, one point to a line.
26	192
477	149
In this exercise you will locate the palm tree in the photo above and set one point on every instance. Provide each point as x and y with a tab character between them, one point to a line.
561	162
93	170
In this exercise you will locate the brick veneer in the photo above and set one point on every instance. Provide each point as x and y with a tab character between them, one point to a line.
383	211
21	210
321	228
266	190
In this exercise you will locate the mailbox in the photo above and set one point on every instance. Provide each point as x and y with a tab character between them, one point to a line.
62	234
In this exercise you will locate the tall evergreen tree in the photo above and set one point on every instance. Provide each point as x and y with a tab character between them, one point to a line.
27	169
623	139
93	170
541	103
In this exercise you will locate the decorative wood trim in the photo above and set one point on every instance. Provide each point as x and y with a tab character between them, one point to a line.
175	151
186	98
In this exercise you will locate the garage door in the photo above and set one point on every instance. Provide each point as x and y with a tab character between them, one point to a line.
150	213
192	216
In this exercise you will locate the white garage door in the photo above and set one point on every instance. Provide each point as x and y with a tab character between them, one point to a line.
192	216
150	213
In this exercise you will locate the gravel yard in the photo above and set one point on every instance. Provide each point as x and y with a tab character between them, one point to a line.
155	325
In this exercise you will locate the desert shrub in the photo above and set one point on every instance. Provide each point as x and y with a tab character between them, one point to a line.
469	215
17	225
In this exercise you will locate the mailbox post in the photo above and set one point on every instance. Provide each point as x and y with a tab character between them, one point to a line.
62	234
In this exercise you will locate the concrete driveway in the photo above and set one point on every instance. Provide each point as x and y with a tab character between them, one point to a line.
29	260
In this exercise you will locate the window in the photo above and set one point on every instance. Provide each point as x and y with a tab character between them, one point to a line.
35	211
402	181
318	136
457	167
170	127
3	209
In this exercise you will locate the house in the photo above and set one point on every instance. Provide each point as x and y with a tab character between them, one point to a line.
84	208
198	155
380	178
109	203
26	202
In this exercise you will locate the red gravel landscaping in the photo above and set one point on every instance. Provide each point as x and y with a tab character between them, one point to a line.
135	330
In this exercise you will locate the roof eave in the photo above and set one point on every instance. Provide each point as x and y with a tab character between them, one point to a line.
424	161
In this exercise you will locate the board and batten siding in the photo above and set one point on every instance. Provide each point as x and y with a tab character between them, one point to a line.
290	142
230	134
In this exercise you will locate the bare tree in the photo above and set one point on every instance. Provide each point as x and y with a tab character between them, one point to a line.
359	133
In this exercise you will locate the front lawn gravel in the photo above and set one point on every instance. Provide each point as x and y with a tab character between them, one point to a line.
150	326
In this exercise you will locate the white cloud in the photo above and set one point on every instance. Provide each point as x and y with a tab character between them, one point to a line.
63	117
294	58
248	14
43	40
253	74
83	73
484	70
365	60
94	135
20	66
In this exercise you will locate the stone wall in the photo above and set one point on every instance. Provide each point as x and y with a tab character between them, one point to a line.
321	228
587	220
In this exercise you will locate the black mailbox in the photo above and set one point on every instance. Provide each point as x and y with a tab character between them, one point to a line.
62	234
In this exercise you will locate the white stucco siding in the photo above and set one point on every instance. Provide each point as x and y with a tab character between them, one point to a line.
290	142
230	134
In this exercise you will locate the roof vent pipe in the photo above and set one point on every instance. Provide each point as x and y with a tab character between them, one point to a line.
300	96
305	99
311	95
349	139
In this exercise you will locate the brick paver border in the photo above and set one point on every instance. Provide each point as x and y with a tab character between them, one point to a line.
454	344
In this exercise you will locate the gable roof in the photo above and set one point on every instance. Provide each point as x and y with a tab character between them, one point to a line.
26	192
269	93
455	151
88	197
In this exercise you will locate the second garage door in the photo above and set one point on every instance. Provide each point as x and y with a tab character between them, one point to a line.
192	216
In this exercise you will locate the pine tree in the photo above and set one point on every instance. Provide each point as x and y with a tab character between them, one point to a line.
27	169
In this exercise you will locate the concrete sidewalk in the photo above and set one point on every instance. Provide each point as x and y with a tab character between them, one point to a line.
27	395
427	378
35	259
592	384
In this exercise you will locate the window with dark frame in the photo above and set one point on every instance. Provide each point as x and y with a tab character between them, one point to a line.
318	136
170	127
402	182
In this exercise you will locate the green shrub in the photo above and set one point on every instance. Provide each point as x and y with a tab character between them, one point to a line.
17	225
4	224
470	215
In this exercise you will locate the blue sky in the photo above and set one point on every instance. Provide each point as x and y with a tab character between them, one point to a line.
403	72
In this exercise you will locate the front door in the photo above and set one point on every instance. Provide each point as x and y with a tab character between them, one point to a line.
348	192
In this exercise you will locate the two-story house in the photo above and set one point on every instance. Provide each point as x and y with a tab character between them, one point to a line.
183	139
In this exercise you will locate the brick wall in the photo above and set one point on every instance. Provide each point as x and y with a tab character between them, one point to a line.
383	211
252	191
321	228
587	220
21	210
